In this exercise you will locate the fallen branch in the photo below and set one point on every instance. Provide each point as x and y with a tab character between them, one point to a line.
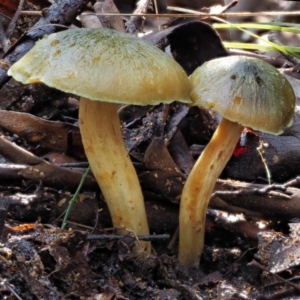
270	203
61	12
53	135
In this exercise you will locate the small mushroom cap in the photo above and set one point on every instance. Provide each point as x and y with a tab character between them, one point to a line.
106	65
245	90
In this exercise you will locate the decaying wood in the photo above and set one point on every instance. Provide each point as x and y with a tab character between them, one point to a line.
162	217
280	203
51	176
281	153
274	203
108	6
38	169
61	12
56	136
17	154
58	177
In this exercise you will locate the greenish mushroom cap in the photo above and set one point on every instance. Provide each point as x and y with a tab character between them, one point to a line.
106	65
245	90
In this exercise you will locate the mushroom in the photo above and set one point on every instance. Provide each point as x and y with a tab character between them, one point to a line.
106	67
245	92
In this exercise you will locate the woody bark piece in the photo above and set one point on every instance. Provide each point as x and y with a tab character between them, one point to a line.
162	217
281	154
49	174
51	135
17	154
108	6
61	12
10	172
57	177
271	204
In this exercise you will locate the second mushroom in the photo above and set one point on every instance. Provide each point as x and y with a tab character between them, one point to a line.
245	92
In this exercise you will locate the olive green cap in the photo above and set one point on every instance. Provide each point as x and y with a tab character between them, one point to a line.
245	90
104	64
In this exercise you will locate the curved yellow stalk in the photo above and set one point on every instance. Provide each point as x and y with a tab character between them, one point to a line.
198	189
112	167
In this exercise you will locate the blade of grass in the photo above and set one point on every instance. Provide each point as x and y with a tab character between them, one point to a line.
264	26
72	201
237	45
278	47
283	24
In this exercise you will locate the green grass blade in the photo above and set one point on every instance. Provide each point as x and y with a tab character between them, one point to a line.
72	201
264	26
237	45
278	47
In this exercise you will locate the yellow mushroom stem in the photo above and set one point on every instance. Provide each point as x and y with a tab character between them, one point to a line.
198	189
112	167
